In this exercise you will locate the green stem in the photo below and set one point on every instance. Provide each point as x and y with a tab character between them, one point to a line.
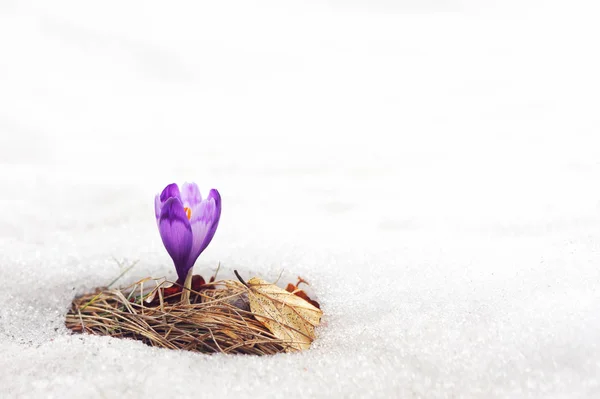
187	287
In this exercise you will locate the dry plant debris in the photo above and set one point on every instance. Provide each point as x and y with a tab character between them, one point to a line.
288	316
223	316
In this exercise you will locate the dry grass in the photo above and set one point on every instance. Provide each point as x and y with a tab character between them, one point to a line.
217	320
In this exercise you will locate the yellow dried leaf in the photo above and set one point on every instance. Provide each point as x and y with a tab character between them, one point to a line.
289	317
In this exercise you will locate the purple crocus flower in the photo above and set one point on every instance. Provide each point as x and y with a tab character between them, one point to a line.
186	223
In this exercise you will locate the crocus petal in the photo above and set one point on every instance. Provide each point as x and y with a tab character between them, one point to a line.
214	217
190	195
157	206
172	190
204	222
176	234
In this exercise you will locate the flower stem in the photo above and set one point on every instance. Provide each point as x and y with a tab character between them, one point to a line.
187	287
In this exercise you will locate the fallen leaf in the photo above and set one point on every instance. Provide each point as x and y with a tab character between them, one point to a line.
289	317
297	291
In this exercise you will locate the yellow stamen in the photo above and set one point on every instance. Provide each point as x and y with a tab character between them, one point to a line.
188	212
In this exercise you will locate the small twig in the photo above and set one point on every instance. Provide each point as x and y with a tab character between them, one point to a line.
280	274
142	295
300	281
214	277
215	340
240	278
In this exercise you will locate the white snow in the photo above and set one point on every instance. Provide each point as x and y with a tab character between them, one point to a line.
431	167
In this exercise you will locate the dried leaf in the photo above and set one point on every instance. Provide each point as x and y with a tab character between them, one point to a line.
289	317
297	291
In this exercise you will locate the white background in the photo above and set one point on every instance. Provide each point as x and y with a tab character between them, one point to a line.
431	167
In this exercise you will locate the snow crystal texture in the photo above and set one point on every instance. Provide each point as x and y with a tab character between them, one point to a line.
431	167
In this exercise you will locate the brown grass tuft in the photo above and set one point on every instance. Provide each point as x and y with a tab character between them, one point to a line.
217	320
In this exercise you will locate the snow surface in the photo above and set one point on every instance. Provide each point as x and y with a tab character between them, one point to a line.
431	167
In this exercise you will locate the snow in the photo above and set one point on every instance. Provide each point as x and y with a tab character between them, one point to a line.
431	167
